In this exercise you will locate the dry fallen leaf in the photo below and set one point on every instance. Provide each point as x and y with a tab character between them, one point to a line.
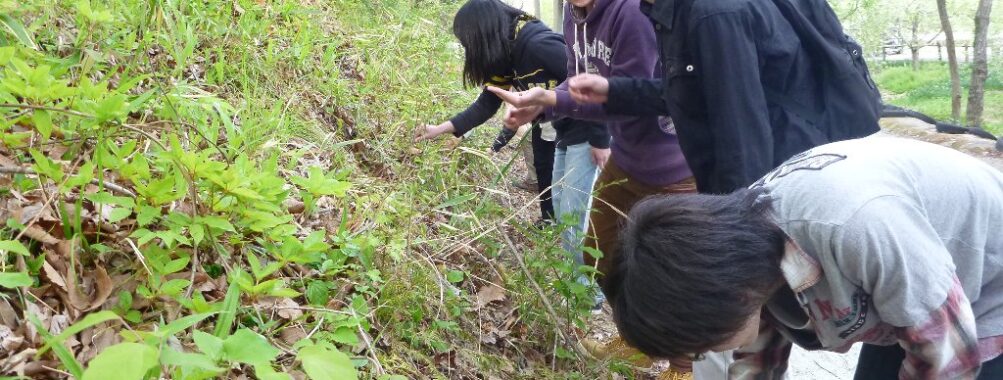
8	317
292	335
489	294
9	342
53	275
103	290
38	234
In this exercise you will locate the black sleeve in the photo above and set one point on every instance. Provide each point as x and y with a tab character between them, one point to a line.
598	135
636	97
504	136
478	113
738	118
550	53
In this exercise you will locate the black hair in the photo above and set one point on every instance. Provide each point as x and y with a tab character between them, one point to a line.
693	269
485	29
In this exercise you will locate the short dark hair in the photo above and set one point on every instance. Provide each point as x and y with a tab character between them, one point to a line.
485	29
692	269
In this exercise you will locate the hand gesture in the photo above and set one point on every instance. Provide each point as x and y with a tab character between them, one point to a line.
534	97
589	89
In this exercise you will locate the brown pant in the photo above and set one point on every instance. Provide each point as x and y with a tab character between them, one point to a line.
616	194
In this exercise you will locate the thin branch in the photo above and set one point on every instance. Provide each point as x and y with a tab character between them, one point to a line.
110	185
44	108
539	291
369	344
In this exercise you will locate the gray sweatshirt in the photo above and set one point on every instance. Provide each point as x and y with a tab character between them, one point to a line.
886	224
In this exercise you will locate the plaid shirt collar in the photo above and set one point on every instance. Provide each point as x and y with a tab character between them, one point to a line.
800	269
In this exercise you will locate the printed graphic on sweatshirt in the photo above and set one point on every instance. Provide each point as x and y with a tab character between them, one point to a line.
801	161
850	323
596	49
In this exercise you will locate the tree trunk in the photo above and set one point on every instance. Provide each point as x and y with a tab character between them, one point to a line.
915	44
558	14
952	60
980	69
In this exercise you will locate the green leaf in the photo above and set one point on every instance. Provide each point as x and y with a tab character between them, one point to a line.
171	357
146	214
324	364
84	176
107	199
43	123
197	233
455	201
317	183
208	344
118	213
217	223
592	251
174	287
246	346
13	246
345	335
15	280
89	321
176	265
455	276
17	29
317	292
124	361
182	324
46	167
283	292
229	311
65	356
266	372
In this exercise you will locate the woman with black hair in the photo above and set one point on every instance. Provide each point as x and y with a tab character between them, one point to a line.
505	47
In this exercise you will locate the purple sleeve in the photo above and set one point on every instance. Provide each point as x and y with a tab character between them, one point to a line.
635	54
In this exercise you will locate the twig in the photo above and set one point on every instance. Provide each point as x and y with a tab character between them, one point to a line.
539	291
369	344
139	255
64	373
315	328
147	134
44	108
110	185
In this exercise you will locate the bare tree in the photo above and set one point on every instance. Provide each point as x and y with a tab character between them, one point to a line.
558	14
917	18
980	65
952	60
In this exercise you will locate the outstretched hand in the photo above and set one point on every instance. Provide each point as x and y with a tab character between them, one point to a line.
534	97
516	117
589	89
428	132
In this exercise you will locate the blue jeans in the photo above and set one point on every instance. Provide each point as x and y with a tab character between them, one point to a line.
574	176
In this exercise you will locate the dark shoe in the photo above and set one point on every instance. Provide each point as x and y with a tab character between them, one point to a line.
526	184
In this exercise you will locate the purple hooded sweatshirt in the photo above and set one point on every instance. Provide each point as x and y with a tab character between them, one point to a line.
616	40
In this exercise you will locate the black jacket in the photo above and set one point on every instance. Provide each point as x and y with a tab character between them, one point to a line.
720	58
538	60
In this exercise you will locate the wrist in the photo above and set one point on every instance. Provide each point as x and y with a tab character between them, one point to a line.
446	127
550	98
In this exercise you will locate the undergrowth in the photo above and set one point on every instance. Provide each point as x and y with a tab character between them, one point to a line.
220	188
